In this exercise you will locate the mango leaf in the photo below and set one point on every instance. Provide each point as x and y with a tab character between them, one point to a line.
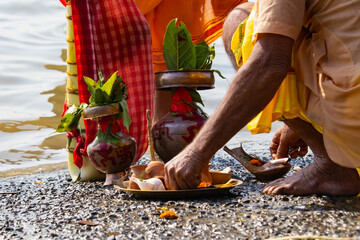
108	86
179	52
70	120
114	90
99	96
125	114
202	52
195	95
91	85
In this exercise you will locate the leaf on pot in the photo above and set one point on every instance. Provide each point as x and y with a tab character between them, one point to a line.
179	51
125	114
109	85
71	118
202	54
91	85
195	95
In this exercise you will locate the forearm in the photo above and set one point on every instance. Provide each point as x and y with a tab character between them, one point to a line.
251	90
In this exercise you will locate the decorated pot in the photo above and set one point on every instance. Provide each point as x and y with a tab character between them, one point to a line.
111	152
173	132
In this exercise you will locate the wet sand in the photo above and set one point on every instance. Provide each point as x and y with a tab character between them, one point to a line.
49	205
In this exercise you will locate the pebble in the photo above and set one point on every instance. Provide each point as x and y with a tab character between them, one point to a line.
53	209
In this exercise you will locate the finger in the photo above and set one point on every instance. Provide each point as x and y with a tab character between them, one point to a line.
273	149
170	181
182	183
283	150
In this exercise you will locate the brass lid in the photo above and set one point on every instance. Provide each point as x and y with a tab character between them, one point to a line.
101	111
200	79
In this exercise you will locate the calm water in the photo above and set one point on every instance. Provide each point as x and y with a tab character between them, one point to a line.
32	84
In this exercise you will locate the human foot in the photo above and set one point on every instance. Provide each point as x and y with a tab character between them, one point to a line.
321	177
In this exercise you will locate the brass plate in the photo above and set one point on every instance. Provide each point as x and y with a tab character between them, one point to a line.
176	194
199	79
101	111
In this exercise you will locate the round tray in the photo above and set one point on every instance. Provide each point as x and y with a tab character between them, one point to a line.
199	79
176	194
101	111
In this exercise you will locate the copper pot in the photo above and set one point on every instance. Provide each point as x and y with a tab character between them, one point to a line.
173	132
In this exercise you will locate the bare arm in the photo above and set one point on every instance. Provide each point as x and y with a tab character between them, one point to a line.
253	87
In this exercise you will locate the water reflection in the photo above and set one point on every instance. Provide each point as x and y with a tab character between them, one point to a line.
32	84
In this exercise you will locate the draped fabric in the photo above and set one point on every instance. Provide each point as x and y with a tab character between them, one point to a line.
203	18
112	35
286	104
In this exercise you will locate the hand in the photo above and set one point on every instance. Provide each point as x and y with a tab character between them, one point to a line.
184	170
286	143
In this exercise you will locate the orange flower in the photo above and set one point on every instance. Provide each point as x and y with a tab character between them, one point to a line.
169	214
255	162
37	182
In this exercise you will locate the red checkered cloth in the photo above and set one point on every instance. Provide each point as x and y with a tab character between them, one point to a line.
112	35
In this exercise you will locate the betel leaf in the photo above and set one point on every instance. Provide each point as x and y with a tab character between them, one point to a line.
179	52
125	114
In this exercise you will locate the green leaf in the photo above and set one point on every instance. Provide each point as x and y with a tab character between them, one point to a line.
125	114
91	85
108	86
195	95
179	51
219	73
202	52
109	138
210	58
70	120
99	96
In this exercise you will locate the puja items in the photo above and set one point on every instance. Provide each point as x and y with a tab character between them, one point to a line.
261	169
152	176
188	71
111	152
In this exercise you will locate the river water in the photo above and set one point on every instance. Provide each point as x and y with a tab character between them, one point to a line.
32	84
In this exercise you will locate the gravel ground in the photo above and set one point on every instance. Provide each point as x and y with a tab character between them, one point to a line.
53	209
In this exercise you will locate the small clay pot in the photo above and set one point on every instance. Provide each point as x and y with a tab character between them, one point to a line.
138	171
155	169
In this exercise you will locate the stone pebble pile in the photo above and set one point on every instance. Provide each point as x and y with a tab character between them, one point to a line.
50	206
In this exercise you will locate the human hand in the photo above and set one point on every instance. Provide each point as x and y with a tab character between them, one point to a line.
286	143
184	170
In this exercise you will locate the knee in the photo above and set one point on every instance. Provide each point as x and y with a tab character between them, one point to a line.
233	20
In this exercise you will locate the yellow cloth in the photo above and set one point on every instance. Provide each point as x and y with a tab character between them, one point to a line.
286	103
203	18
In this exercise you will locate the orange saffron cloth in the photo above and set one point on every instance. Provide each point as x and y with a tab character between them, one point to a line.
203	18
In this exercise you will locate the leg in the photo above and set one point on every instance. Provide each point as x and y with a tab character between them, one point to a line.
322	176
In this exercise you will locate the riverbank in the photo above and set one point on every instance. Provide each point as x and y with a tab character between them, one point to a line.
49	205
